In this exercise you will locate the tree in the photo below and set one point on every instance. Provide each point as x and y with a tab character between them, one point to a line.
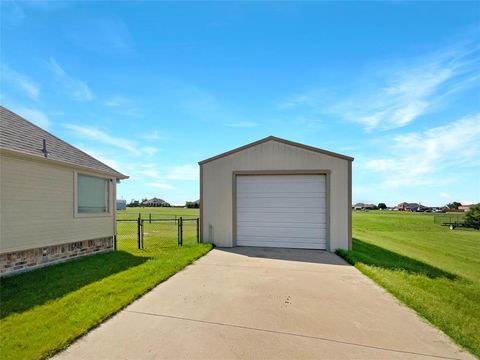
454	205
192	204
472	218
382	206
134	203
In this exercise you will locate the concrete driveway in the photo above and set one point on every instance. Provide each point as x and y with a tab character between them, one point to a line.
256	303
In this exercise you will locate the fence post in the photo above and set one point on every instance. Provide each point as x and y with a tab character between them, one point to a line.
143	232
139	233
198	230
180	231
150	218
115	236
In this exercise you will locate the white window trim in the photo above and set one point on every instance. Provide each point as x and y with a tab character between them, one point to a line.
110	189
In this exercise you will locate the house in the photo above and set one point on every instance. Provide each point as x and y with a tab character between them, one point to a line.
121	204
404	206
362	206
155	202
277	193
401	207
464	208
56	202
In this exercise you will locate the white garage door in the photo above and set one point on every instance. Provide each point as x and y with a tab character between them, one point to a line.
281	211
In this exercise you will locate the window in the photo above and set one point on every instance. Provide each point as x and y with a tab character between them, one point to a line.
92	195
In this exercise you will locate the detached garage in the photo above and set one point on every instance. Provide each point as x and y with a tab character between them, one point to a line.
277	193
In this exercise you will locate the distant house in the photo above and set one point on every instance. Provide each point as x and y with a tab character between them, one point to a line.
362	206
121	204
401	207
155	202
404	206
464	207
56	202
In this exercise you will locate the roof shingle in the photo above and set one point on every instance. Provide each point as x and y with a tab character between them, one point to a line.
20	135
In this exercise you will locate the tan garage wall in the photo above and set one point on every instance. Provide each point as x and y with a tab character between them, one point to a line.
217	189
37	206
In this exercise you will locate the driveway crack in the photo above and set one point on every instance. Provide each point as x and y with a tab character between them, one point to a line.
290	334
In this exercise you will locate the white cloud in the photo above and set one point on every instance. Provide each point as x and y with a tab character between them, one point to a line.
99	156
395	95
242	124
417	158
101	34
117	101
102	137
161	185
183	172
405	96
153	135
20	81
178	172
77	89
312	99
35	116
149	150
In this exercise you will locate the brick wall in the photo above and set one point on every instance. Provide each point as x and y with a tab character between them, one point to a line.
25	260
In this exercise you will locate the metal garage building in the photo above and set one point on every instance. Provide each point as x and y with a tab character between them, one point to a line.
277	193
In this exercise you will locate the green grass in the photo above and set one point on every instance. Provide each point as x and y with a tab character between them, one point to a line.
430	268
45	310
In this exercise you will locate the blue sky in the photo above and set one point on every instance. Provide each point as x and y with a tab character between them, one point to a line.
151	88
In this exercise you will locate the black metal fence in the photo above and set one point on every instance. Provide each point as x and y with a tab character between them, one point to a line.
151	233
447	219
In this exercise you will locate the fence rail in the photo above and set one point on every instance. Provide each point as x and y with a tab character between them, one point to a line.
442	219
156	233
455	221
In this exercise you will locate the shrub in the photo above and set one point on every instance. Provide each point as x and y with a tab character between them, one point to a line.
472	218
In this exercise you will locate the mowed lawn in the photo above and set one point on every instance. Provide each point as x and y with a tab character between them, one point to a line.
45	310
433	270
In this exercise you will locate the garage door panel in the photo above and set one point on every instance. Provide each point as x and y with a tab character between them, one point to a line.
281	211
280	194
282	179
282	202
280	217
280	232
285	224
279	187
311	243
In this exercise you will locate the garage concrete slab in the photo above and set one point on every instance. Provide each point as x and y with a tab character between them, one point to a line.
266	303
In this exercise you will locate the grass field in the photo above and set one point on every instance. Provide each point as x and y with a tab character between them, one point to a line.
430	268
45	310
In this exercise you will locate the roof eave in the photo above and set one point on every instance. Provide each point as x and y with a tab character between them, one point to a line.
280	140
114	174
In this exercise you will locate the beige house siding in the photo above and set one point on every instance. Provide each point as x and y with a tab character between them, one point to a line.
38	206
217	188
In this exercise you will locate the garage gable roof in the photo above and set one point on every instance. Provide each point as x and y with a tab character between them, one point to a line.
20	136
280	140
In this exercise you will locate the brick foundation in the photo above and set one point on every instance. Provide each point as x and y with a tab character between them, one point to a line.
25	260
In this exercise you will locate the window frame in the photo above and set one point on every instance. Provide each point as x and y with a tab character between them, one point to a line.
110	195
